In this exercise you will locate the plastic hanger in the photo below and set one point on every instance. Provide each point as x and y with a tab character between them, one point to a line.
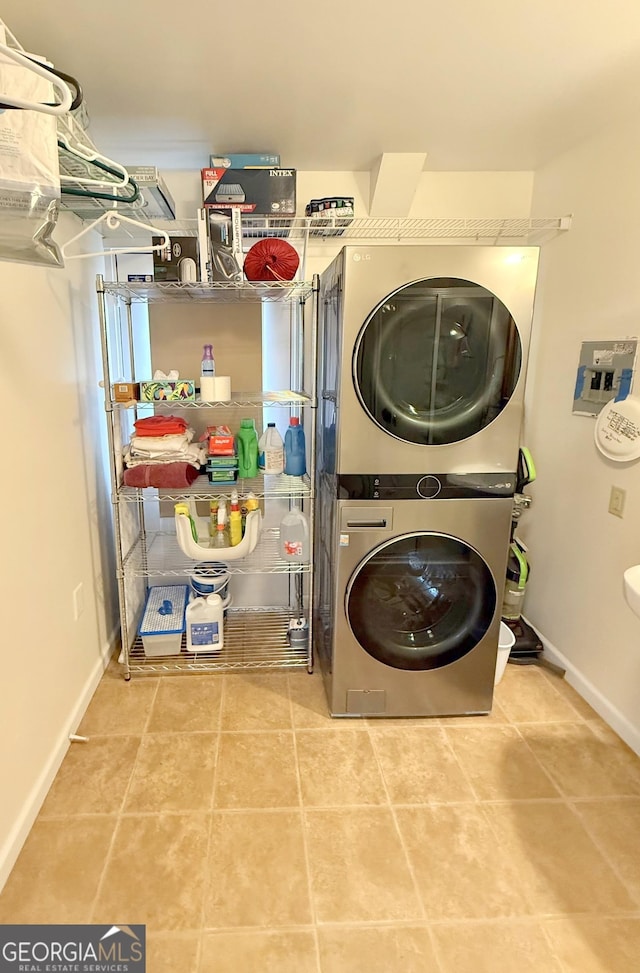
124	179
57	79
113	219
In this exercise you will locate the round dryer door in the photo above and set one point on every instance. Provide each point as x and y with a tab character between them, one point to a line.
420	601
436	361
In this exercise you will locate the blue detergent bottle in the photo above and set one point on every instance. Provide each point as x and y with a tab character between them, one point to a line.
295	463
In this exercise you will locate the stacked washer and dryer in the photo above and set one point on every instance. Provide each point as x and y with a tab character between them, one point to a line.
422	355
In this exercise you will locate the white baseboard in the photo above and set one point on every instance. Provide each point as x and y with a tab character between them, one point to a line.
603	707
18	835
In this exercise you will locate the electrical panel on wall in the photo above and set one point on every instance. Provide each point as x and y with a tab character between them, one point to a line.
605	372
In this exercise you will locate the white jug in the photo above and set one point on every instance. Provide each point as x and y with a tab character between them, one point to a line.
294	536
205	620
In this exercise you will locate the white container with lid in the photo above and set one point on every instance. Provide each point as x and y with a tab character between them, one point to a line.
271	451
294	536
205	624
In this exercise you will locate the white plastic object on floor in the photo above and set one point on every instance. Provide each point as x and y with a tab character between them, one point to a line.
202	552
505	644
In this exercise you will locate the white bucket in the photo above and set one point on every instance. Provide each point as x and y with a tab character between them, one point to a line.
505	644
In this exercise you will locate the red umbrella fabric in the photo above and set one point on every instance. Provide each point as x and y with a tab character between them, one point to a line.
271	259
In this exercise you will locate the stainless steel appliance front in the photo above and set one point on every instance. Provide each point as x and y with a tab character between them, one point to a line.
423	353
408	620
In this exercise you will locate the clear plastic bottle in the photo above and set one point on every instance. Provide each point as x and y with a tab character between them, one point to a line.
271	451
295	463
294	536
208	365
221	538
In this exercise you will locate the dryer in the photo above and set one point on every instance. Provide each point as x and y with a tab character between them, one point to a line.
410	578
423	352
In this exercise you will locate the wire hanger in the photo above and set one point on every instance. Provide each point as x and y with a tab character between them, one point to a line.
112	219
55	78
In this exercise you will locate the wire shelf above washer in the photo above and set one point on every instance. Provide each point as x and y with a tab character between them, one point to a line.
220	292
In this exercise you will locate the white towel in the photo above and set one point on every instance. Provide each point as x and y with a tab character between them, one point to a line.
152	444
193	453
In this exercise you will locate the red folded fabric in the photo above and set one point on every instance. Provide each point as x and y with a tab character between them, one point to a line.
161	475
160	426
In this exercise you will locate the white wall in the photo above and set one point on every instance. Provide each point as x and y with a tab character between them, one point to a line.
589	288
56	531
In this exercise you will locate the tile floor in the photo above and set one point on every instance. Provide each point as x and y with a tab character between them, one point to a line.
253	834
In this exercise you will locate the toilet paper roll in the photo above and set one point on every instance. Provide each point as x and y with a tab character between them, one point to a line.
222	387
216	388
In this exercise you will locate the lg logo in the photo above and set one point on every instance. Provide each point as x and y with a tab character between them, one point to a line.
361	256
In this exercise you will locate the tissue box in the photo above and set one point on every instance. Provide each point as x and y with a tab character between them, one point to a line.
265	192
163	390
125	391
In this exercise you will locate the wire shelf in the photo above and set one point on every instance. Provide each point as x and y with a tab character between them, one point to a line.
253	639
220	292
242	400
165	559
264	486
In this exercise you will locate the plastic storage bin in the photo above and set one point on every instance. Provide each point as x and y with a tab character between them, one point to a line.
163	618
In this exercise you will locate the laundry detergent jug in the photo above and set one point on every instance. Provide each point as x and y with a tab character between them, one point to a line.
295	463
204	621
247	447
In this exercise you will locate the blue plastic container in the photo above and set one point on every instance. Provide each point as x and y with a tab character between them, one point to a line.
295	463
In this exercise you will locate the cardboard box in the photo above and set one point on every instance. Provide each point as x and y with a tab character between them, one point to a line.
125	391
162	390
253	160
220	441
179	262
263	192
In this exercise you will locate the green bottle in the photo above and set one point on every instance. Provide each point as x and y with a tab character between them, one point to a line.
247	448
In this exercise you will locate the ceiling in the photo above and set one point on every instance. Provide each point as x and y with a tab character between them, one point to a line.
491	85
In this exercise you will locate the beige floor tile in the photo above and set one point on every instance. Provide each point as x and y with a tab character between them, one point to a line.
584	763
338	767
93	777
508	946
559	865
173	772
419	766
309	709
259	952
358	868
596	945
187	703
615	827
257	770
461	871
376	949
155	874
499	763
257	871
55	878
497	715
173	952
256	702
571	695
119	707
526	696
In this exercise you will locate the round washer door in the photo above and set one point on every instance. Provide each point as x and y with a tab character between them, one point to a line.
436	361
420	601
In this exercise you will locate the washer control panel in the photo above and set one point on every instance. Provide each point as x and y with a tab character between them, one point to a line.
425	486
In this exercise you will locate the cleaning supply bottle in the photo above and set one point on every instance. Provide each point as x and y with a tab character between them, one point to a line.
295	463
247	449
249	503
208	365
294	536
235	520
213	516
221	538
271	451
183	508
204	619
